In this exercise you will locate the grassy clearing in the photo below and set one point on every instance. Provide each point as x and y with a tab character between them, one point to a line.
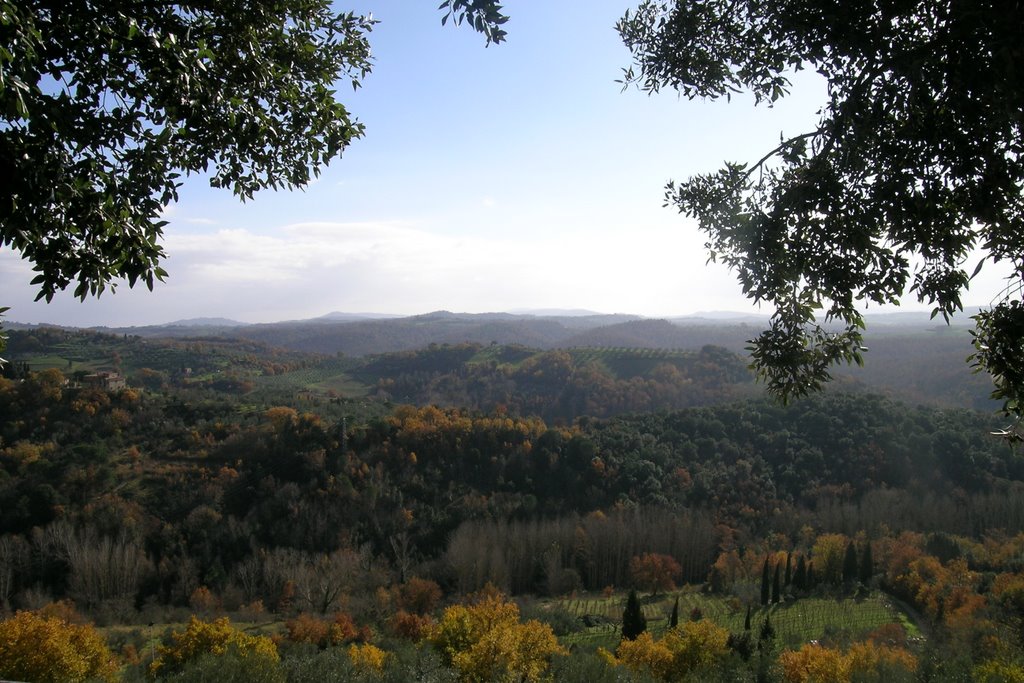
329	375
626	363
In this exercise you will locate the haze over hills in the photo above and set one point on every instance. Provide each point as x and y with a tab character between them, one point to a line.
910	355
358	334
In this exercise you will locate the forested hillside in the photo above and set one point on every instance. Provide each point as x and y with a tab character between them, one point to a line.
158	463
232	478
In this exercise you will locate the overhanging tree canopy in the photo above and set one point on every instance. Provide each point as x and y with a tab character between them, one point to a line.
105	105
917	159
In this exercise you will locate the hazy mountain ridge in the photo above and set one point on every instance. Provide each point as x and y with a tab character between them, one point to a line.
910	355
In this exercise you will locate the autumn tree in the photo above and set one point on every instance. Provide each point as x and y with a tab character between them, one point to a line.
829	557
419	596
486	641
689	650
49	649
654	572
368	658
912	165
865	661
213	638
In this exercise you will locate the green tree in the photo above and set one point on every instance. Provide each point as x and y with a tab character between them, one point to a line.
3	336
776	585
800	575
103	108
914	162
673	619
633	620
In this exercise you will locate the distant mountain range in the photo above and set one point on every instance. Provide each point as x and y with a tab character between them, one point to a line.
358	334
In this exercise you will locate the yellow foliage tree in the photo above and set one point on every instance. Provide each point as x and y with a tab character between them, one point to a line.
691	648
828	553
645	654
486	642
48	649
367	657
697	646
213	637
814	664
871	661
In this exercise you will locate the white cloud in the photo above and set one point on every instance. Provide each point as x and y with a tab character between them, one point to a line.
307	269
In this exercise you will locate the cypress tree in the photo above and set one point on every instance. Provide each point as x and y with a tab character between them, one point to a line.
673	620
633	621
867	565
776	587
789	569
800	575
850	564
812	580
746	622
765	583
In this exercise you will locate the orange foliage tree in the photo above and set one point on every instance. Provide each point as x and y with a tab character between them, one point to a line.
867	660
654	572
419	596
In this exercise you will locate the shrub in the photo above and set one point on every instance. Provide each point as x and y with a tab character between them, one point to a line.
419	596
214	638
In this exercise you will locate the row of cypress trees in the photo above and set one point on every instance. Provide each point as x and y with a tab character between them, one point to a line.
803	577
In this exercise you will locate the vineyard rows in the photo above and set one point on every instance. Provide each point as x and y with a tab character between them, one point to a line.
795	623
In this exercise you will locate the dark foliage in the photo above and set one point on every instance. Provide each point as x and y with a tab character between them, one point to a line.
633	621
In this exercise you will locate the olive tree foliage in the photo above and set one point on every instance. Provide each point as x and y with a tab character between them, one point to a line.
105	106
916	160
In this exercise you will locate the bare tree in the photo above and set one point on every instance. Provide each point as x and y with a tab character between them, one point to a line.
15	560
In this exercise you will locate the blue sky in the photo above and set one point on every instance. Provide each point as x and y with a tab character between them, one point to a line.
511	177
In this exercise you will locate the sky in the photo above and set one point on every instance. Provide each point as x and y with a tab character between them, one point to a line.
507	178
